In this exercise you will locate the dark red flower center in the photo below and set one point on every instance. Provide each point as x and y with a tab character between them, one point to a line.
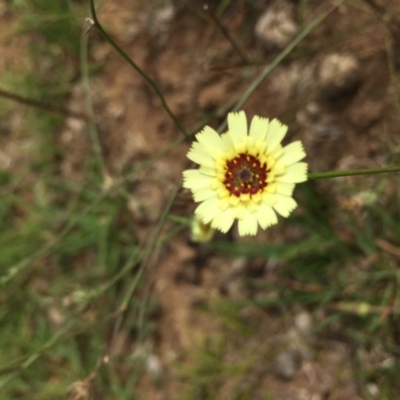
245	175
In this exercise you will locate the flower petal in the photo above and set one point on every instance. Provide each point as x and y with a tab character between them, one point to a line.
279	168
286	189
276	132
203	194
209	171
193	179
292	153
199	155
208	210
277	152
240	211
259	128
227	141
191	174
295	173
248	225
223	220
210	139
237	124
266	216
269	198
285	205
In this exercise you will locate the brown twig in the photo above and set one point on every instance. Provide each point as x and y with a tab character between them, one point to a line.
388	248
230	39
42	105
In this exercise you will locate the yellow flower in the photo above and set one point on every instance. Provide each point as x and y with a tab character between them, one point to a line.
245	176
200	232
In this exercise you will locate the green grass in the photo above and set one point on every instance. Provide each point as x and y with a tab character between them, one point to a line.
64	248
72	268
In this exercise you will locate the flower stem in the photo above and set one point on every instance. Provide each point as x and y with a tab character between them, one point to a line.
146	77
350	172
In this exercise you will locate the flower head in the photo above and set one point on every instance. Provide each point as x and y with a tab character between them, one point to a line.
244	175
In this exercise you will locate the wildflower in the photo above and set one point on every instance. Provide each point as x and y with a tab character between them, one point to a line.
245	176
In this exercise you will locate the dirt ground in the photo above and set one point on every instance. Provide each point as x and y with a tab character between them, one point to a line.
333	92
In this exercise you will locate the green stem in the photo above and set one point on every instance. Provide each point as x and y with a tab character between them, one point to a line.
98	152
150	81
351	172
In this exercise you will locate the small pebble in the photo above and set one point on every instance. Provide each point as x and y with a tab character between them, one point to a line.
373	390
276	27
285	365
154	367
338	74
303	322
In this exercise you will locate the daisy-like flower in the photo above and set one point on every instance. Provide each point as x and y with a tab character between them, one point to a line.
244	175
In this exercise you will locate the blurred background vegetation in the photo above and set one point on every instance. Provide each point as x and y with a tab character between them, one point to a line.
310	309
